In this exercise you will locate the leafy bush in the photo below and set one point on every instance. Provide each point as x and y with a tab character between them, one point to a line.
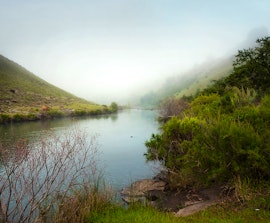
114	107
206	105
213	143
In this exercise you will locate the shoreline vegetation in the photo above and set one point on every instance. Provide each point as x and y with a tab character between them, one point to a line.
91	200
23	114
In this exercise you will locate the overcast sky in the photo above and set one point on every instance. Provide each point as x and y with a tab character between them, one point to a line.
104	50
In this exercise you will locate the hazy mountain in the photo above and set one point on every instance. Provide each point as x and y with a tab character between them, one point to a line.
198	78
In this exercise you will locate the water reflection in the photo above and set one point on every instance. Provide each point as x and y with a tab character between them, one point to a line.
121	139
13	132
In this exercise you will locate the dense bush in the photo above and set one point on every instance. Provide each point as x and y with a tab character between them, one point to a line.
224	134
213	144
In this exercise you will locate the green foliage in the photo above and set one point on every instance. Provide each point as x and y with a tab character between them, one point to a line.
171	146
18	117
206	104
114	107
55	113
264	109
251	71
216	141
5	118
256	62
80	113
252	67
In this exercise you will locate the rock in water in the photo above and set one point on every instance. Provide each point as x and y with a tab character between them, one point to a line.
138	190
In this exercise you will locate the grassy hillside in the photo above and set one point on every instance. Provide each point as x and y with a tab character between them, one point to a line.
23	95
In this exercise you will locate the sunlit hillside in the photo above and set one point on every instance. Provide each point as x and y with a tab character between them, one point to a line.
23	93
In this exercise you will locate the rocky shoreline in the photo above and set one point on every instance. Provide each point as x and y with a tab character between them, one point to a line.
182	202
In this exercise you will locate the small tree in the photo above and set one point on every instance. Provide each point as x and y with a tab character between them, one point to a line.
114	107
252	67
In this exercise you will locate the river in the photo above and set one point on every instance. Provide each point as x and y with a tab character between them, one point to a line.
121	140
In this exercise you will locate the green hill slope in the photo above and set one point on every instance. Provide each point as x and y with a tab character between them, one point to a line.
23	95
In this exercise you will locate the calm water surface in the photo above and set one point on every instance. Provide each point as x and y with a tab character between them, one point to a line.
121	140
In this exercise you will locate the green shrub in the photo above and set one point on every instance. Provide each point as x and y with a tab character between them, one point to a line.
96	112
206	105
32	117
215	144
80	113
114	107
5	118
18	117
231	148
170	147
264	109
55	113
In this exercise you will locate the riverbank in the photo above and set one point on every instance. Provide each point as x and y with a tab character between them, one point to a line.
181	201
189	201
26	114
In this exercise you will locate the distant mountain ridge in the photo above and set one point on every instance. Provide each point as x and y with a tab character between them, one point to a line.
22	92
190	82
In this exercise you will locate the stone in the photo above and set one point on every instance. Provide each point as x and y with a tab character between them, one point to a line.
193	208
139	190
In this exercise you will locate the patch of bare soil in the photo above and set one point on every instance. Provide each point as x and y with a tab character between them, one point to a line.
182	202
185	202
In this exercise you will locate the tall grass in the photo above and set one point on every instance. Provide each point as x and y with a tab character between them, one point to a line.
81	202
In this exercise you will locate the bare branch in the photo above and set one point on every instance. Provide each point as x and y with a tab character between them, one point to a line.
34	181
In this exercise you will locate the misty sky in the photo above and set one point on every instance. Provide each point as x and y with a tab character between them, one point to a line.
105	50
